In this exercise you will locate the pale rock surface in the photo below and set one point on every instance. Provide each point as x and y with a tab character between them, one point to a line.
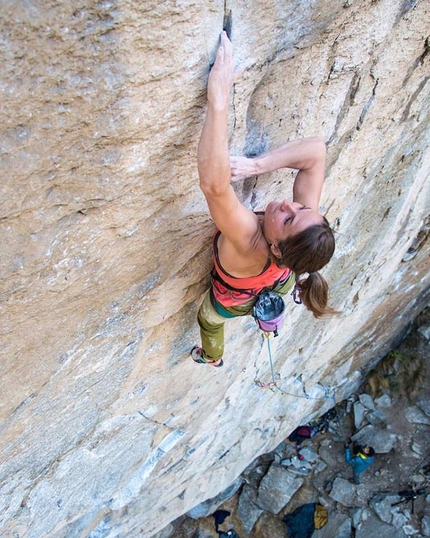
108	428
344	492
381	440
414	414
359	411
373	526
248	509
277	488
426	525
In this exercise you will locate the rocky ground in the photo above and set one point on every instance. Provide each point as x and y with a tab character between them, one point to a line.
392	414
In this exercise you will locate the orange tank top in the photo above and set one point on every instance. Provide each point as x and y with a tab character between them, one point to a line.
229	290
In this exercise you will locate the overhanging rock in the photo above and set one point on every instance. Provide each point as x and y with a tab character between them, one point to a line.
106	424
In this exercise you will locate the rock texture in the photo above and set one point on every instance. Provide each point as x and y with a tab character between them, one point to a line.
107	427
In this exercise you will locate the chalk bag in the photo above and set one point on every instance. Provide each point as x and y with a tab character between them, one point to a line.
269	312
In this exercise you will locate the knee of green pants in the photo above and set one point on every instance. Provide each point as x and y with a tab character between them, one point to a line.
211	331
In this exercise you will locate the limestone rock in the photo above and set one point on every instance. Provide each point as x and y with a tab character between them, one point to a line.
367	401
359	412
167	532
248	510
108	428
277	488
309	454
426	525
381	440
425	331
424	404
343	492
210	505
414	414
383	506
358	515
409	530
376	417
374	527
383	402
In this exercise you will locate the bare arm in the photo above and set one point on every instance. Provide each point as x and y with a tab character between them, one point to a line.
237	223
212	153
305	154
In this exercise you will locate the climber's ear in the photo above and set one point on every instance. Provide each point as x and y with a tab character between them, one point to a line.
274	249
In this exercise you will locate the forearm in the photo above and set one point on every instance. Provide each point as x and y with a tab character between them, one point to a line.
301	154
212	154
348	458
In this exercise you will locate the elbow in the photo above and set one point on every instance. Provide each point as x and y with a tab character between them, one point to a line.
211	190
315	152
214	178
320	147
319	151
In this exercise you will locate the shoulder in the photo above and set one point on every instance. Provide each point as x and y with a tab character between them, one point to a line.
245	258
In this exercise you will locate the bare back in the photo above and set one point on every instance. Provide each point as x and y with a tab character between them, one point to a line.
250	259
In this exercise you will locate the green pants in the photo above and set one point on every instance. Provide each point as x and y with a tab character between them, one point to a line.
211	323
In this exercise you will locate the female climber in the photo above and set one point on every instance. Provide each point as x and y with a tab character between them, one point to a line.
252	251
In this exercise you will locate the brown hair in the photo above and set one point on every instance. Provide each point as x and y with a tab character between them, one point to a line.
308	252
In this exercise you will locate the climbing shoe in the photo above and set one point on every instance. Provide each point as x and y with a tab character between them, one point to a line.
197	356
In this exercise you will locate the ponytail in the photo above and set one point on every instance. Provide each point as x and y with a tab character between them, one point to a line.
313	293
308	252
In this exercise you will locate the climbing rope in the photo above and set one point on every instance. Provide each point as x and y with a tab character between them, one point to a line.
273	384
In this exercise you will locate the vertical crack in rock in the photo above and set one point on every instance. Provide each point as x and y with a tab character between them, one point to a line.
407	6
227	24
418	62
347	103
419	241
414	96
253	201
367	106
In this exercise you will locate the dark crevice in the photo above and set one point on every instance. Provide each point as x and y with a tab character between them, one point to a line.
418	62
228	22
419	241
336	150
347	103
407	6
414	96
367	106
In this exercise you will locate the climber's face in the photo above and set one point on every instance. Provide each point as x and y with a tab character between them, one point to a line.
285	219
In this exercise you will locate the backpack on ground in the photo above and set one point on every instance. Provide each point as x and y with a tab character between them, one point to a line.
320	516
305	519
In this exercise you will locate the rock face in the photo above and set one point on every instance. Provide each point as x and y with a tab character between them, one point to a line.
108	428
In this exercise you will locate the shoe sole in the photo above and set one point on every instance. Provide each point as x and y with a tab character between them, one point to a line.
202	360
